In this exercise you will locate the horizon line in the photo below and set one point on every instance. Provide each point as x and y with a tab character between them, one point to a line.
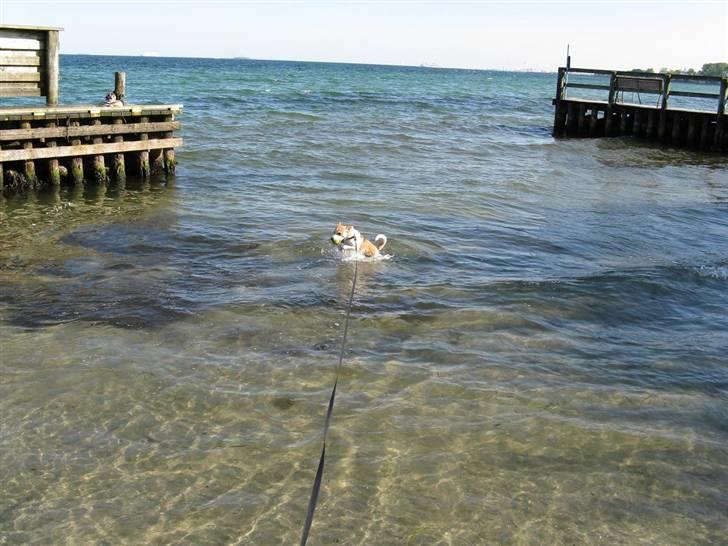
359	63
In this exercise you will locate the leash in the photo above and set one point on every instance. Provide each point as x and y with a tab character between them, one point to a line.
320	472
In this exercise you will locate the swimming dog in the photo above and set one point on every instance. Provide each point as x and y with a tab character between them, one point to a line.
350	240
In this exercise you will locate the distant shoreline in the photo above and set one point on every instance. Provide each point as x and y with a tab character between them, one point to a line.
251	59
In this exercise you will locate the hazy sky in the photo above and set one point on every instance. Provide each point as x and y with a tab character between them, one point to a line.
472	34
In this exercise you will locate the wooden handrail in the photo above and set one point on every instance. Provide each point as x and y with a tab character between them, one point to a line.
686	77
665	92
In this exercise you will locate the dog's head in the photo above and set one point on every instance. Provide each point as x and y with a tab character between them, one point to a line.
110	96
343	234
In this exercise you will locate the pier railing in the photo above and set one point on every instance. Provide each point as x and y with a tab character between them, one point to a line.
612	115
660	84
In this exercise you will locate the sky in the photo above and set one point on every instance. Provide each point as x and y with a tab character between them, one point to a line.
516	35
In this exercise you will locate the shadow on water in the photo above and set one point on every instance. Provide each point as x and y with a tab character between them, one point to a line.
50	276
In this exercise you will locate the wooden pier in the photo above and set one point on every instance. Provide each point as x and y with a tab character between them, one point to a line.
52	143
658	121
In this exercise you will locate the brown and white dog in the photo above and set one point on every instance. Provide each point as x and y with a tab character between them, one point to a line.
351	241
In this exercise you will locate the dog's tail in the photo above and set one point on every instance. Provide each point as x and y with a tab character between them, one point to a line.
382	238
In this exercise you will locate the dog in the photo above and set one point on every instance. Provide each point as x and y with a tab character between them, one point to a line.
350	240
111	100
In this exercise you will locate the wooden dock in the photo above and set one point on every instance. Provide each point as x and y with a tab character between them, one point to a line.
86	143
658	121
52	143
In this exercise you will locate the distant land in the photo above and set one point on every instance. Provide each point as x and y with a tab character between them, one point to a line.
708	69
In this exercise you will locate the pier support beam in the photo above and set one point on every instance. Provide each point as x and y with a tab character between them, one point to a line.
582	118
29	169
662	126
571	119
705	133
143	156
119	165
636	123
692	130
76	162
676	121
623	123
593	121
99	166
156	161
651	117
54	171
560	111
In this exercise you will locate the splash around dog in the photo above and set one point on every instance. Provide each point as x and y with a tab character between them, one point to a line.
354	246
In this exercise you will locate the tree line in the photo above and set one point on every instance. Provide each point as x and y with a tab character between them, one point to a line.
708	69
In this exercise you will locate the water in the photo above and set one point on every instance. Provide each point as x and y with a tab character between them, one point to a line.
542	361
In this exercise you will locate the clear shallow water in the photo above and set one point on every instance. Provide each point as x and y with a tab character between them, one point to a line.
542	361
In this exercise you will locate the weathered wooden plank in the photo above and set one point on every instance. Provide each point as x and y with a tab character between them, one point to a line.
588	86
19	58
641	85
18	85
88	130
20	76
29	43
589	70
88	110
5	28
89	149
25	91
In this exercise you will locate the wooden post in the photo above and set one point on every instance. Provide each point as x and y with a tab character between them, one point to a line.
76	162
29	171
572	118
99	168
582	118
676	122
54	171
609	113
593	121
120	85
651	114
119	165
156	158
720	122
705	133
559	113
170	165
51	68
143	156
623	123
667	82
2	175
692	122
636	122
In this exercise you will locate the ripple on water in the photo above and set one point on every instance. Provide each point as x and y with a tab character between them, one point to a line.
540	361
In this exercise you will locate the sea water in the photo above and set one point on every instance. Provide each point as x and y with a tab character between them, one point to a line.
543	360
